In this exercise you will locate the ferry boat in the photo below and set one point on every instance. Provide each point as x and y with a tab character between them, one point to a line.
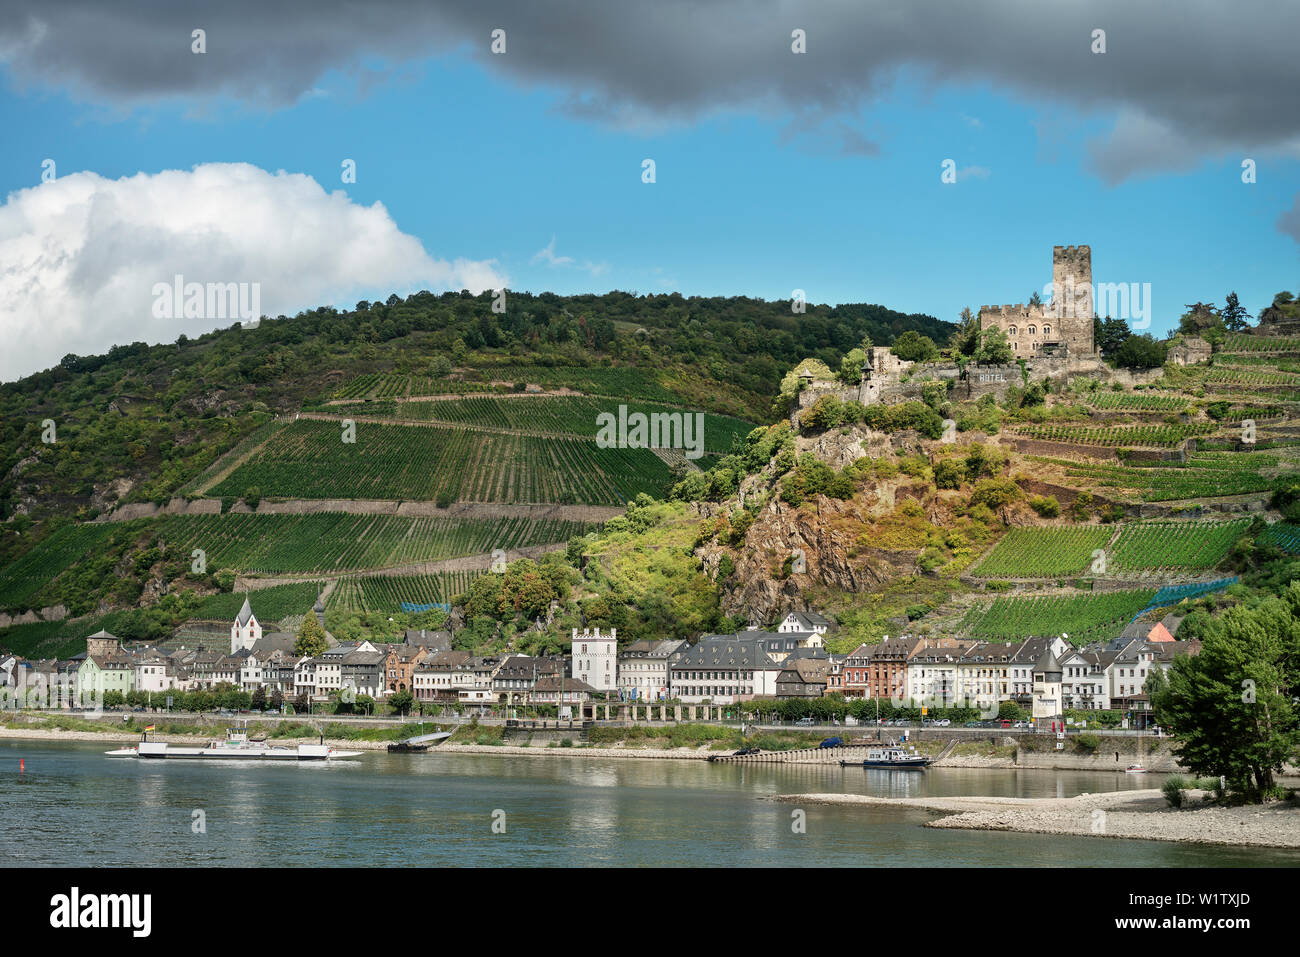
890	757
235	747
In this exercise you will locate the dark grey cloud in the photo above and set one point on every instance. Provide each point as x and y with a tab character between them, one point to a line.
1180	78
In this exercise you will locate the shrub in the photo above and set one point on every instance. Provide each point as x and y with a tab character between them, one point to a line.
1087	741
1174	790
1046	506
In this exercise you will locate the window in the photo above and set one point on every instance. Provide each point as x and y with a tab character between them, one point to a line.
1011	330
1047	330
1033	330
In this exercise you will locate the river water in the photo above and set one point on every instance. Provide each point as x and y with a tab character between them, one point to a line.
71	805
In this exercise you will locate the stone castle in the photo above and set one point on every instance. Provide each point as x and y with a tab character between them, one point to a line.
1060	327
1052	341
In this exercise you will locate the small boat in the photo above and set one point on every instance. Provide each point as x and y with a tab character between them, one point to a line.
235	747
891	757
1135	769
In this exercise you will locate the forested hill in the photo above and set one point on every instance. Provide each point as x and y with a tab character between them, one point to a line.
140	422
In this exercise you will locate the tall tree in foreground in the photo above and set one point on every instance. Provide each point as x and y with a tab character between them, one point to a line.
1230	709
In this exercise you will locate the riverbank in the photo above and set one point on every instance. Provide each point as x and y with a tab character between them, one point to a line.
114	737
1143	815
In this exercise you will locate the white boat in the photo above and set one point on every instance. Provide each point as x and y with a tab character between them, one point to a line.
1135	769
236	747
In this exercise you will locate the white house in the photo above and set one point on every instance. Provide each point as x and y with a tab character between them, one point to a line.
595	658
804	621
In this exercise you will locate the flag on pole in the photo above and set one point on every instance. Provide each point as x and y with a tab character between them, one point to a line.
150	728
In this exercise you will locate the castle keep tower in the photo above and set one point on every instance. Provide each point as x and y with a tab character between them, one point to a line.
1063	326
1072	281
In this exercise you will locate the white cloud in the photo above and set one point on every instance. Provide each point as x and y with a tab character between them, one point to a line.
547	255
82	254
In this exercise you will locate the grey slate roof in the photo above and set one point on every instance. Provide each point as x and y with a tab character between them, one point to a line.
726	651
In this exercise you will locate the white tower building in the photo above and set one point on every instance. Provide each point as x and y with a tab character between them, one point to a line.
595	658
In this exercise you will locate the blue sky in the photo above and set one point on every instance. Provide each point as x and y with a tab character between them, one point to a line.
477	163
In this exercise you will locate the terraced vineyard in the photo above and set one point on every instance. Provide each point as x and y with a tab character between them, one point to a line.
1043	552
387	592
1154	436
620	382
418	463
1283	535
1244	342
269	604
1174	546
25	577
1221	375
1084	618
1137	402
570	415
335	542
1205	475
1140	547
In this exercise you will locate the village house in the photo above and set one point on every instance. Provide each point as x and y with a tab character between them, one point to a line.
805	623
560	691
803	678
515	679
933	675
475	681
400	662
723	669
435	678
644	669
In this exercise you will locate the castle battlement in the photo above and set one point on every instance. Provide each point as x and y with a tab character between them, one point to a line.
1061	326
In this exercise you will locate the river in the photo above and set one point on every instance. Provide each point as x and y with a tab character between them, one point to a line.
71	805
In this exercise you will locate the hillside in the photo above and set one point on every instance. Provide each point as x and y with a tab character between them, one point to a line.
397	449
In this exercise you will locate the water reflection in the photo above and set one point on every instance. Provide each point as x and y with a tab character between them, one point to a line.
74	806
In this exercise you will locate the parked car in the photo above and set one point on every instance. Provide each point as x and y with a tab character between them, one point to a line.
974	724
804	721
942	723
832	743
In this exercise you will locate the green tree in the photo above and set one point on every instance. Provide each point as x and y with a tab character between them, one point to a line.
994	347
851	366
311	638
1109	334
1235	317
1231	709
1141	352
402	702
965	339
911	346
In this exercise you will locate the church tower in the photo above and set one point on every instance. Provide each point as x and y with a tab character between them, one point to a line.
246	630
